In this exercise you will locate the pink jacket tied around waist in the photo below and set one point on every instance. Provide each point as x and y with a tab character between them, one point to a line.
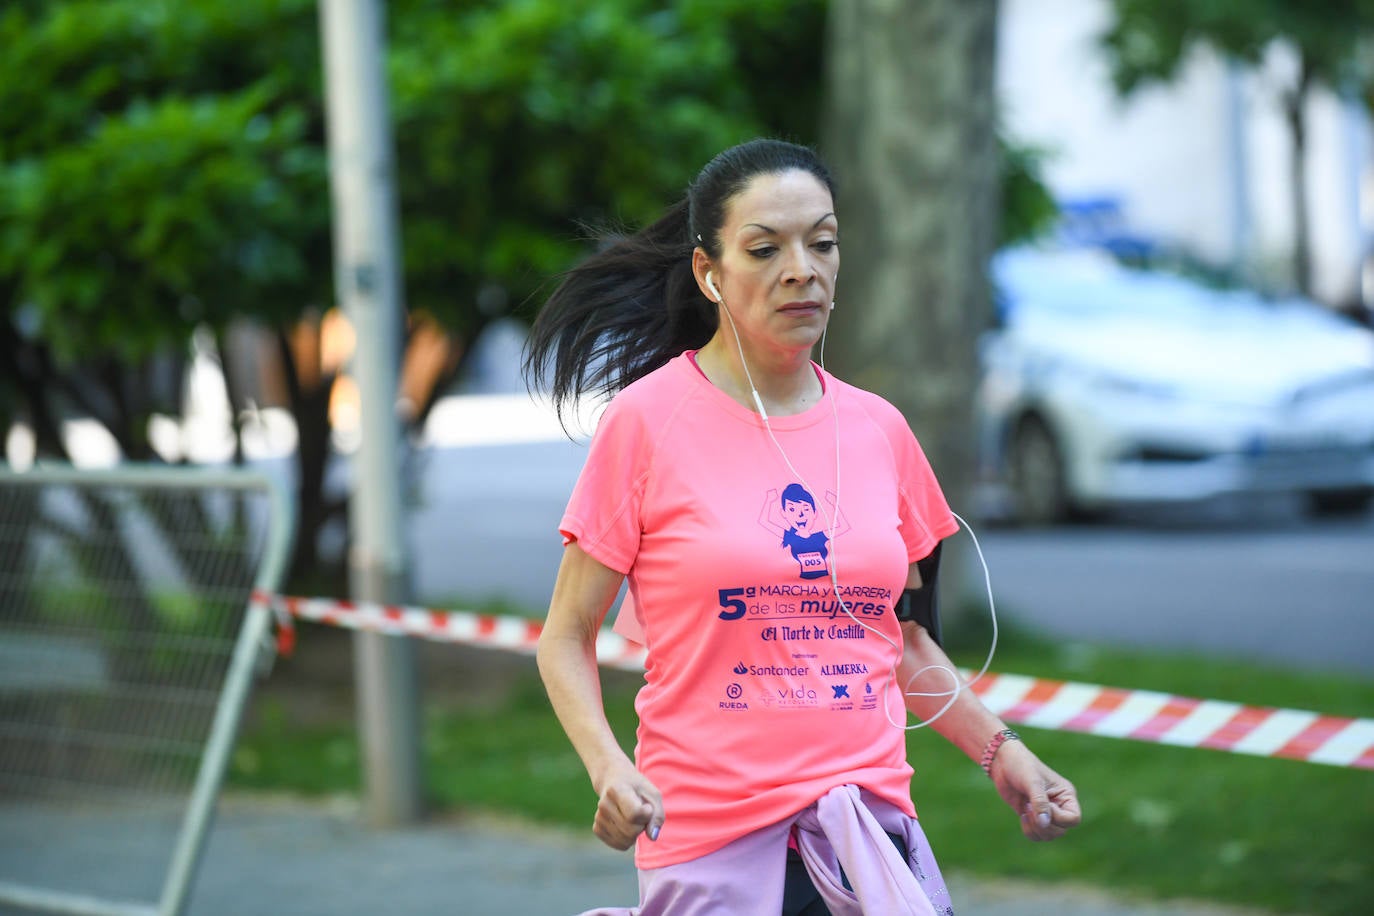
840	826
846	828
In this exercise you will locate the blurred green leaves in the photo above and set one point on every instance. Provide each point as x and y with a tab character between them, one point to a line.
163	166
157	171
180	211
1148	40
517	121
162	163
1029	209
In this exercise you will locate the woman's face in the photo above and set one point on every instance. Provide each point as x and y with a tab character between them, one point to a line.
779	256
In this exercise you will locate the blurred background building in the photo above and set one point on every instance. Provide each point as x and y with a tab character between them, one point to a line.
1200	165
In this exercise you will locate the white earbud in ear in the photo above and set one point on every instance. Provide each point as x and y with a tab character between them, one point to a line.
710	284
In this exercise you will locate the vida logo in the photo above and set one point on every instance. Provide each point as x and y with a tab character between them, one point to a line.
800	693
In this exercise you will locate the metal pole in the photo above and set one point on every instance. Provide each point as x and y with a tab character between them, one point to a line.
367	281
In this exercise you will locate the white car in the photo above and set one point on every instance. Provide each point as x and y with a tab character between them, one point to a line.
1106	386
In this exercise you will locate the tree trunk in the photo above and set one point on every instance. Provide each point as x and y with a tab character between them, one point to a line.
307	392
910	132
1295	104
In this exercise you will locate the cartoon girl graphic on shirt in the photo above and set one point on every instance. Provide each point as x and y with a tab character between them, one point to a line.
794	519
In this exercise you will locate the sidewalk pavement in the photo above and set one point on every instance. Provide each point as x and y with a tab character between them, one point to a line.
292	858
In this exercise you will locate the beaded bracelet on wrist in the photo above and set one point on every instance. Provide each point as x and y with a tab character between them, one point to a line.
996	742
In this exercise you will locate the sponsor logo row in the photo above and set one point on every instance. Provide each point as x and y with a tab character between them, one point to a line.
839	696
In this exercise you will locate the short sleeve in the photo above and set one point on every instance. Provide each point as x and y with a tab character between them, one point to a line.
603	513
925	515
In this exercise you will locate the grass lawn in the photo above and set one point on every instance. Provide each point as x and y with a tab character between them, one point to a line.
1159	821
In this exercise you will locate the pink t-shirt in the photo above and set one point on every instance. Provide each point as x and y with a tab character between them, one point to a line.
761	693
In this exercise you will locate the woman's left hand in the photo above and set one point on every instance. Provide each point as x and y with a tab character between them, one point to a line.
1046	801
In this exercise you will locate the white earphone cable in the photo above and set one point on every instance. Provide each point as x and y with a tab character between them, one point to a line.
832	526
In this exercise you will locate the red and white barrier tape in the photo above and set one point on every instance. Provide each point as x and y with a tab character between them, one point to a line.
1143	715
1162	718
514	634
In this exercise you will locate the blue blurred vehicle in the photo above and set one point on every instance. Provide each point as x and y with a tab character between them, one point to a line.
1106	386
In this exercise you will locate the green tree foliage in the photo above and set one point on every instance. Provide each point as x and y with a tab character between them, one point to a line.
179	212
517	121
162	167
1028	208
1148	41
155	174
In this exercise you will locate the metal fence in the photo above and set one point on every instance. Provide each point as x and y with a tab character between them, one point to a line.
128	647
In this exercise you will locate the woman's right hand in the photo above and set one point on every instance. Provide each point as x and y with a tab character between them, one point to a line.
629	805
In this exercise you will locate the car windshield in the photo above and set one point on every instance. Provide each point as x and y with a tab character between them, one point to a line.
1083	306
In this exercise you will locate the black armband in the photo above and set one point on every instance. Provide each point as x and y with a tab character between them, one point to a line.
922	604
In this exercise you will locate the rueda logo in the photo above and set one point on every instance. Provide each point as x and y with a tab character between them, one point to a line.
734	692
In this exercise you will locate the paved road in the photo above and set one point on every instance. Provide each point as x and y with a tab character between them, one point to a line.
287	859
1259	581
1281	589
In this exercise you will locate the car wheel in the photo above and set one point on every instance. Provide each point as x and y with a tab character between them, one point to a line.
1036	472
1352	501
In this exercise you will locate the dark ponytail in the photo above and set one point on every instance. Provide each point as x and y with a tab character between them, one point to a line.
635	304
620	314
